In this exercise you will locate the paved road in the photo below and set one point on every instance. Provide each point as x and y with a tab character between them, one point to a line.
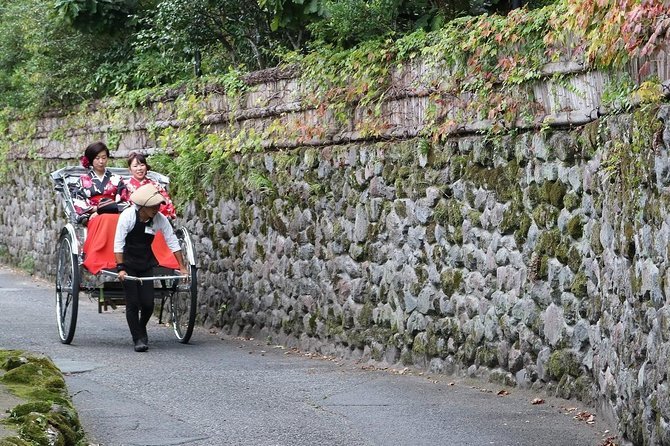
222	391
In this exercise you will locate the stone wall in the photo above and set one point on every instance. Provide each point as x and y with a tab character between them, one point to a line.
537	259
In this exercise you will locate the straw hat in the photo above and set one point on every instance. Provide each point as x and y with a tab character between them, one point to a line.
147	196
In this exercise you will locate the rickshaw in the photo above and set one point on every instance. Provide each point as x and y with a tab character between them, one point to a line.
74	276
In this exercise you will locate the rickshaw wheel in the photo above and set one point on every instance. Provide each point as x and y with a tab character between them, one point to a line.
67	289
184	298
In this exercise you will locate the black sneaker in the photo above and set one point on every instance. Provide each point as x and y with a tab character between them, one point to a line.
141	345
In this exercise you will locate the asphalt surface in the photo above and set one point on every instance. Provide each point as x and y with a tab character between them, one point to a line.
227	391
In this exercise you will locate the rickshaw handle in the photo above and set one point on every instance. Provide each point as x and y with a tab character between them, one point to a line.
140	279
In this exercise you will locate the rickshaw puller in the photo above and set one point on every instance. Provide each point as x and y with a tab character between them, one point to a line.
135	232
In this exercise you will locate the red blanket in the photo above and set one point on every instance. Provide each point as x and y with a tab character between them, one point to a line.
99	246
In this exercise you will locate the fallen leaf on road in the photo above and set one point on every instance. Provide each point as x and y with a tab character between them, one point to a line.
585	416
452	383
609	441
537	401
503	392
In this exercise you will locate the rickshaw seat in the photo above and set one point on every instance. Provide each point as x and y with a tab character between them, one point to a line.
98	247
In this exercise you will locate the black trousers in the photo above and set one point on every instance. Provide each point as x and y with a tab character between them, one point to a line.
139	302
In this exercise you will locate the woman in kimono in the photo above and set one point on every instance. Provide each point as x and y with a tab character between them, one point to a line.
138	166
99	190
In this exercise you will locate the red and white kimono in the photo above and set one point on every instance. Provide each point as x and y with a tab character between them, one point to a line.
166	208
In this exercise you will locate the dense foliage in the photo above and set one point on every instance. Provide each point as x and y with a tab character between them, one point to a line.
58	52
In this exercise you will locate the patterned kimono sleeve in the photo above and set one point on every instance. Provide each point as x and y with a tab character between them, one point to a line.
80	200
166	208
122	189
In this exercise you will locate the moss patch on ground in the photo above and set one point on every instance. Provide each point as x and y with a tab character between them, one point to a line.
45	415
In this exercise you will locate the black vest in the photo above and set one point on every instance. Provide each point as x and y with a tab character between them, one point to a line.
137	253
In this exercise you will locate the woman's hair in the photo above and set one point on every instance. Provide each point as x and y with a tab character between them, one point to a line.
140	159
94	150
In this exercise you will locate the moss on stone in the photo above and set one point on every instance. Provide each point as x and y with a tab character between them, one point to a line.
33	406
565	387
421	274
533	194
400	208
652	212
635	281
450	281
583	389
454	213
571	201
389	172
543	270
575	227
439	158
486	356
545	215
406	357
14	441
474	216
278	224
377	352
440	212
552	192
521	234
430	233
507	186
433	345
594	238
563	362
288	325
466	354
355	337
311	323
455	235
548	241
457	167
587	139
334	326
400	186
365	315
574	259
503	180
628	242
47	416
578	287
418	346
358	251
511	218
404	172
561	252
